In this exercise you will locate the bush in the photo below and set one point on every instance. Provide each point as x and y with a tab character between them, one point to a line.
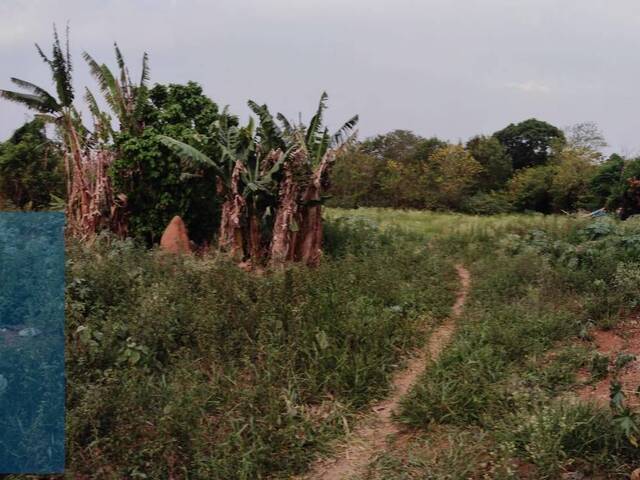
30	168
530	189
157	185
488	204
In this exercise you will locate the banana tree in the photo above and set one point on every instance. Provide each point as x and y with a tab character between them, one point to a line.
297	234
85	177
245	180
125	99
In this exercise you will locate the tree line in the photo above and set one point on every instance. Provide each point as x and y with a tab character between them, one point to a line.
528	166
164	150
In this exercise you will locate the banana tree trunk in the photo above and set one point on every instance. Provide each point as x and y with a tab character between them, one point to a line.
286	224
254	240
231	235
309	239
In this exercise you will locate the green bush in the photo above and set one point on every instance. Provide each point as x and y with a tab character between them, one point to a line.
156	183
488	204
30	168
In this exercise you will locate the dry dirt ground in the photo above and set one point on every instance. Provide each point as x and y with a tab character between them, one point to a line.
624	339
370	438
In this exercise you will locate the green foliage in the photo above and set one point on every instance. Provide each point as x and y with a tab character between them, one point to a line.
530	143
357	180
157	184
125	99
530	189
605	184
491	203
31	169
495	161
401	146
450	175
570	187
61	69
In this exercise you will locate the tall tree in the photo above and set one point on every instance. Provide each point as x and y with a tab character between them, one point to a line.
586	136
495	161
530	143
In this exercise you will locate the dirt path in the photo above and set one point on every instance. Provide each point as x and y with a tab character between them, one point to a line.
370	438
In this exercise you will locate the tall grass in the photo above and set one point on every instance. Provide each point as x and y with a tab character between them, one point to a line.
192	368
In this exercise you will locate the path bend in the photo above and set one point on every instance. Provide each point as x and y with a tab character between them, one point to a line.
370	438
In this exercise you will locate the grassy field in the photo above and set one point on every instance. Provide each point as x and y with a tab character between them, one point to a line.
432	224
192	368
500	402
189	368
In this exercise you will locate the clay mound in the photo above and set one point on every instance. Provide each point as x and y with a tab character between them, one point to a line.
175	238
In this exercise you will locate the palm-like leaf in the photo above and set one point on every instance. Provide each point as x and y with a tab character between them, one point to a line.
60	64
269	132
126	101
34	102
345	132
145	75
46	97
187	153
107	83
39	99
286	124
101	119
314	131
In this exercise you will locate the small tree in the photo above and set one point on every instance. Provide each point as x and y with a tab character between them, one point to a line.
31	169
451	176
570	187
530	189
496	162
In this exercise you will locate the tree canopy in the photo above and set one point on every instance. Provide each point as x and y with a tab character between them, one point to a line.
530	143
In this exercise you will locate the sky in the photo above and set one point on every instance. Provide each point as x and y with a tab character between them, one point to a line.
449	68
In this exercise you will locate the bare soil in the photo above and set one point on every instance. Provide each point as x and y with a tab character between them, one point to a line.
371	437
624	339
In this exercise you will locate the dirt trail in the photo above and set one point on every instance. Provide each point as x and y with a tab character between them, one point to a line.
370	438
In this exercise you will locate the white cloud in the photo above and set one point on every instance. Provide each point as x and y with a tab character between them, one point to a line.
530	86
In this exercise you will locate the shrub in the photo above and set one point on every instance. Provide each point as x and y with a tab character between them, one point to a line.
31	171
488	204
154	179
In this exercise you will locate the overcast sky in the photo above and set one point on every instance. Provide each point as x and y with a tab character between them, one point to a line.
451	68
